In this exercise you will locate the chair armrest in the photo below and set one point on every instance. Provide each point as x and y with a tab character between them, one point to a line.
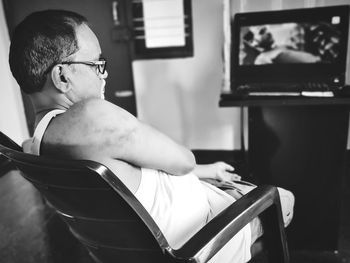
5	165
214	235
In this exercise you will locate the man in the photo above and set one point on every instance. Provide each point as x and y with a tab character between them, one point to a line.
57	60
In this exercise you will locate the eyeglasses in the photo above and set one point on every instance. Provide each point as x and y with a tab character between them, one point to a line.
100	64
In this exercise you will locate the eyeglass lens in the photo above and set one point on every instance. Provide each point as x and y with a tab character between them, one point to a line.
102	67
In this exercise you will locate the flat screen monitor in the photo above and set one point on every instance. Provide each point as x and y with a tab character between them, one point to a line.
290	45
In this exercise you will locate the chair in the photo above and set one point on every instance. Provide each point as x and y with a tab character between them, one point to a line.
5	164
106	217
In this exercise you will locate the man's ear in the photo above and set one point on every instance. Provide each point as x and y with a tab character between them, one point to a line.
60	79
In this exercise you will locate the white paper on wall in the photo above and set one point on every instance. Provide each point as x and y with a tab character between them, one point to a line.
164	22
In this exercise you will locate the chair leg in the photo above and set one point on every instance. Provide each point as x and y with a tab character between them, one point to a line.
274	235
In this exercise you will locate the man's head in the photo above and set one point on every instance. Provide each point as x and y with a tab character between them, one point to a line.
55	47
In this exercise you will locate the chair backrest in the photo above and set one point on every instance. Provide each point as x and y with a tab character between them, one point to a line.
5	164
106	217
8	142
99	209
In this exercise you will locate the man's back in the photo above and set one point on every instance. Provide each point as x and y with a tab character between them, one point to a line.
81	133
98	130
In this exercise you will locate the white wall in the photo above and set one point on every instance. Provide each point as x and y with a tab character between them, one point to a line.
12	118
180	96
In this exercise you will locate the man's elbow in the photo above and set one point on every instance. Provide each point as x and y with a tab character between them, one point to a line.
187	165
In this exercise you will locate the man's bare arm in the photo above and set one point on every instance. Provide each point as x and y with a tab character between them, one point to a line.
108	130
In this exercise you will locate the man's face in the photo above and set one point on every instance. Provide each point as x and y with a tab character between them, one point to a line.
86	81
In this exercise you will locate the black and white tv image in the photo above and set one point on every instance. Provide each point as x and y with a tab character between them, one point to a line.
291	42
307	45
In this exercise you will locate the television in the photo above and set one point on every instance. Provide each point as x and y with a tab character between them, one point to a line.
290	50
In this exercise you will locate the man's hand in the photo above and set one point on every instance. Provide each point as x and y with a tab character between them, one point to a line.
219	171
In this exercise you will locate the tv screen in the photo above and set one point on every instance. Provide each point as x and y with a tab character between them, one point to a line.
307	44
290	43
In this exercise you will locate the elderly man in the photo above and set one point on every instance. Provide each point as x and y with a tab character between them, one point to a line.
57	60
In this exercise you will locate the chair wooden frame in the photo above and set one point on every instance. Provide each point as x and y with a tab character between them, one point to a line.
5	163
49	177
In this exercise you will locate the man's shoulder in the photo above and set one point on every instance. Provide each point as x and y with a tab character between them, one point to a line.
95	109
86	126
90	108
94	115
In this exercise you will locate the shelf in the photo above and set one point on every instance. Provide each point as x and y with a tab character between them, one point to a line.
234	100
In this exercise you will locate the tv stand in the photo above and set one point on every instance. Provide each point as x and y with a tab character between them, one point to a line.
300	144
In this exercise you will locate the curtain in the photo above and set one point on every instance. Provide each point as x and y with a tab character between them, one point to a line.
12	116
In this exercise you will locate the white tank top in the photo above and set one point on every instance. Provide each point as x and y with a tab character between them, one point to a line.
180	205
33	145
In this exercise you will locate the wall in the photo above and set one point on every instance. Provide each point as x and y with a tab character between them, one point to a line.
12	118
180	97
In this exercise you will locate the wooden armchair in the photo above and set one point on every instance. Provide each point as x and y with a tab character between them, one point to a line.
106	217
5	163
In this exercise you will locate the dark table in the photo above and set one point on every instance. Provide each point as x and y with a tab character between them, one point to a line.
299	143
